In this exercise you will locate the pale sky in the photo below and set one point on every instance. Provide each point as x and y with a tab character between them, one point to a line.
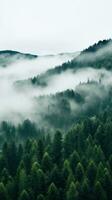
53	26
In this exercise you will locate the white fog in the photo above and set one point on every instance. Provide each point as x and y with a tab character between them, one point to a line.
20	103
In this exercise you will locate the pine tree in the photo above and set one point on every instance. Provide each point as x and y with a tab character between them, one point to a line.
22	180
79	172
12	189
46	162
4	176
27	159
91	172
40	181
40	197
56	177
107	183
37	180
12	158
72	193
85	190
40	150
57	148
52	192
99	192
3	193
100	172
65	172
34	178
24	195
74	160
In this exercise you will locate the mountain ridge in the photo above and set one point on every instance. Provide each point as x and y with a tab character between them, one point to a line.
96	56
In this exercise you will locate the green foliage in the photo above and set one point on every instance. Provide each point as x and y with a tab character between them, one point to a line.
74	160
3	192
24	195
46	162
57	148
77	165
99	192
91	172
79	172
72	193
52	192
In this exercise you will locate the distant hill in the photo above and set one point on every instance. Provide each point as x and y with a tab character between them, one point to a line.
7	57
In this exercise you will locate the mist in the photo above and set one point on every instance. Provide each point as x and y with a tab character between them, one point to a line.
17	105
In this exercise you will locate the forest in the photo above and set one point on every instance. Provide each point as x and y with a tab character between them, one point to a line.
72	166
63	149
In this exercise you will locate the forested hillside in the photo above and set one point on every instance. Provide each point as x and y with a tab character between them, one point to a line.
97	56
75	166
56	130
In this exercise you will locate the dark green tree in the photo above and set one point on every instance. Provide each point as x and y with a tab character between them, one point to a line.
40	197
99	192
79	172
91	172
85	190
57	148
72	193
3	193
24	195
46	162
52	192
40	150
74	160
107	183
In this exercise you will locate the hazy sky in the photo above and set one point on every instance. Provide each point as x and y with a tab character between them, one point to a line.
51	26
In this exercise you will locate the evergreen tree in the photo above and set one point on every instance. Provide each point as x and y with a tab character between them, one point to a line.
79	172
100	172
65	172
3	193
85	191
99	192
72	193
27	159
52	192
40	197
46	162
74	160
91	172
40	181
22	180
24	195
40	150
107	183
57	148
12	158
56	177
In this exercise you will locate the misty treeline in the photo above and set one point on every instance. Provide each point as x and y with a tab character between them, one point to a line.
63	151
97	56
74	166
60	111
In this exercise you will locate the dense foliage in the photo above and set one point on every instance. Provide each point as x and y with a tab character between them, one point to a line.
75	166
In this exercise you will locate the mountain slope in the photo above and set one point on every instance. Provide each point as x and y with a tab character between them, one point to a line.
98	56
